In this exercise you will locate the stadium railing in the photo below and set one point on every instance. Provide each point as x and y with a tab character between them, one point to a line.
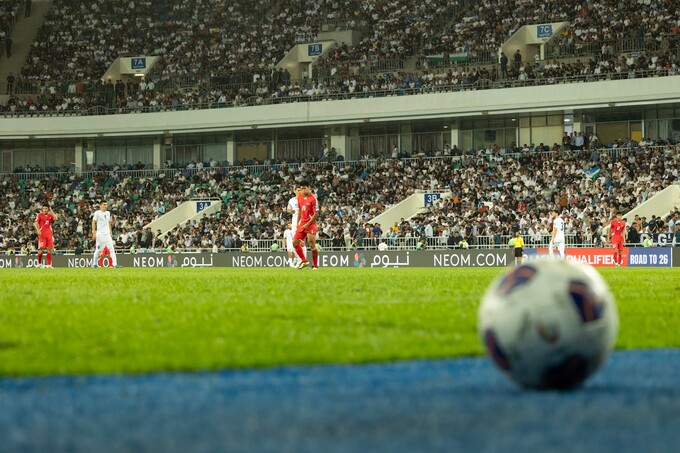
365	66
400	90
329	25
393	244
556	48
370	162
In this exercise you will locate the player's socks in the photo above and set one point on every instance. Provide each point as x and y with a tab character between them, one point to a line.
300	253
114	260
315	257
39	258
304	250
49	258
95	258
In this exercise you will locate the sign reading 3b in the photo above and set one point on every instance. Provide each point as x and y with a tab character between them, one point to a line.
431	198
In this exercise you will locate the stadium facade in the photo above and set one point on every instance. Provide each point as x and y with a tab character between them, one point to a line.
370	124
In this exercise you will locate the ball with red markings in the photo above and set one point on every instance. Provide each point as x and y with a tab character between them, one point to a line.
549	324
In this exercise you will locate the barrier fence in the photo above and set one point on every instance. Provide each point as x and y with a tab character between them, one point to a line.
598	257
400	90
392	244
371	162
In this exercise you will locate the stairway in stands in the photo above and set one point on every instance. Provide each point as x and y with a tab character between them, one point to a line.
23	34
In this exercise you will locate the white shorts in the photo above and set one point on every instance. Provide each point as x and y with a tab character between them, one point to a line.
104	240
559	245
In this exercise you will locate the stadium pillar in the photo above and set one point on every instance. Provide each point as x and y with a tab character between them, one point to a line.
231	153
453	138
578	126
339	140
79	158
405	138
352	151
157	155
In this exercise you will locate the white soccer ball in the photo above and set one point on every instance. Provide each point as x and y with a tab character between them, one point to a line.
549	324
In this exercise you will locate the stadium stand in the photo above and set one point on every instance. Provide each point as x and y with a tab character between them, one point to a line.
221	54
598	29
515	193
610	27
212	55
9	10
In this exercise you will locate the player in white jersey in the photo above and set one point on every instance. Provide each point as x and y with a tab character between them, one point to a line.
288	242
293	208
557	238
101	233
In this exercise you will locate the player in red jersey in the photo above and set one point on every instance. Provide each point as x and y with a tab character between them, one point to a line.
617	230
307	226
43	225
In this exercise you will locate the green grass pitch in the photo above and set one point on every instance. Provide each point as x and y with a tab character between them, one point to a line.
82	321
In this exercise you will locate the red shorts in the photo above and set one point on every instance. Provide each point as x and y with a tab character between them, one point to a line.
617	243
45	242
301	235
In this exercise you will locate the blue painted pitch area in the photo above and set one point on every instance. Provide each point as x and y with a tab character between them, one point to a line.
632	405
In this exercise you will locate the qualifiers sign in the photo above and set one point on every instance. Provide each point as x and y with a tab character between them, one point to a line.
597	257
604	257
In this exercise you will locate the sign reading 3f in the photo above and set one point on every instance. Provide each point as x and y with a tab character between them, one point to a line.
138	63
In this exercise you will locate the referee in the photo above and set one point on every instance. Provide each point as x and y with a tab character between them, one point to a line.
519	249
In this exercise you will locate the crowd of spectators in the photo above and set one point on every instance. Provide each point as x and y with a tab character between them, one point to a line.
224	54
494	193
145	99
600	24
233	48
479	28
394	31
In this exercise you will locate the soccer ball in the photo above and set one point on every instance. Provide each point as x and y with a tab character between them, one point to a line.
549	324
